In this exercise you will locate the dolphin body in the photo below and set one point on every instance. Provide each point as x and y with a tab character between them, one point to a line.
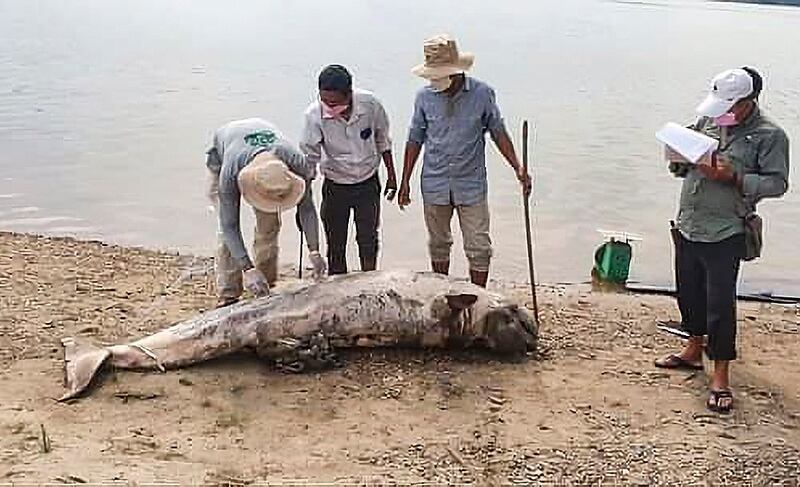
300	327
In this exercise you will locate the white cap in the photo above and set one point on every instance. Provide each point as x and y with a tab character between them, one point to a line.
727	88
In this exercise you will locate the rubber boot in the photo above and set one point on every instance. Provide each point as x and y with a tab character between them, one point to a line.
479	278
442	267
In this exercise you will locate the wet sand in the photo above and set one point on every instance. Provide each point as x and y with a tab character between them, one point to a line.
589	408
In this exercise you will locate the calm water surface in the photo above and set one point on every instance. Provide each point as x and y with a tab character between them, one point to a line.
106	108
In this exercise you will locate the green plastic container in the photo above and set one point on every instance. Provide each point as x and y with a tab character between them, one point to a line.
612	261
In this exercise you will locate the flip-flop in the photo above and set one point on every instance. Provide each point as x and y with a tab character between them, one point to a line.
714	398
674	362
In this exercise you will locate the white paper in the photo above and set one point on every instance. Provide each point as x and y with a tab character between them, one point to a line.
686	142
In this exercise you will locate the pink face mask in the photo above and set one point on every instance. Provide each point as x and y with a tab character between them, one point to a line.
726	120
333	111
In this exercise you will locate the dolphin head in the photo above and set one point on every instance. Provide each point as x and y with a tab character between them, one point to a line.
474	317
511	330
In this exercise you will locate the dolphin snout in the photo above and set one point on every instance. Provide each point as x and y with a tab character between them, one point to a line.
512	331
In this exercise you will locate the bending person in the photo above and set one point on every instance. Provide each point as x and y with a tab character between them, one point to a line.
251	159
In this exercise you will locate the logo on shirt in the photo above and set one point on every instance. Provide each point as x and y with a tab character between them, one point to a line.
265	138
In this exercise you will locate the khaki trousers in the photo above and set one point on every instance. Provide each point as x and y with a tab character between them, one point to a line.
265	248
474	222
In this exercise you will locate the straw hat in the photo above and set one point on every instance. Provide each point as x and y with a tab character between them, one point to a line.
442	58
268	185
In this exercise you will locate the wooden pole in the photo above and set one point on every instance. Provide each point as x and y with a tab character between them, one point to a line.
528	235
299	229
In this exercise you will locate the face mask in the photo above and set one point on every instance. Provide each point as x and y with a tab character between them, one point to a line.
333	111
441	84
726	120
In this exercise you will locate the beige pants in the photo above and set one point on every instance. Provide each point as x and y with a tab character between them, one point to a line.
265	247
474	222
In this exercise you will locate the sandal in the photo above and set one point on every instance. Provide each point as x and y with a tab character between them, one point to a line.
720	401
223	302
676	363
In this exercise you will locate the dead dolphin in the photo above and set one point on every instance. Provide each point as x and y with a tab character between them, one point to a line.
305	323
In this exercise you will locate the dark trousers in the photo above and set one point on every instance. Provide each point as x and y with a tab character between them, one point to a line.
364	200
706	275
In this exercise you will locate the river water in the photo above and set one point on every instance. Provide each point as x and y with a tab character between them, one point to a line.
107	106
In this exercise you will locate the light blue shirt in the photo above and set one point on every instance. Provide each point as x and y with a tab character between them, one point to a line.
235	145
452	130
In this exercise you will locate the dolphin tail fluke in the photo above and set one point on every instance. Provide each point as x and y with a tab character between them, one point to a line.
81	364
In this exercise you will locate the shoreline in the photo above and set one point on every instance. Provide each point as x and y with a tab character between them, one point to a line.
590	409
784	295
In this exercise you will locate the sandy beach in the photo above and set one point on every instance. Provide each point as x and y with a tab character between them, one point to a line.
589	408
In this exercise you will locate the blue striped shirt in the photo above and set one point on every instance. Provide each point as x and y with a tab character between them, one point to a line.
452	129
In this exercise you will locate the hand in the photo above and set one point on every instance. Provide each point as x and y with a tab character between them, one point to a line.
525	180
256	282
674	157
720	170
678	165
391	188
318	266
404	196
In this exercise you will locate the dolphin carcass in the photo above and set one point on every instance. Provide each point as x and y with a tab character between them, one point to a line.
300	327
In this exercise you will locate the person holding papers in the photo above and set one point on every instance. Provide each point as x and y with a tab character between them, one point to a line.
717	226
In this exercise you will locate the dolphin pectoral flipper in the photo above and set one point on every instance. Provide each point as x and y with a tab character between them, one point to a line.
82	362
457	316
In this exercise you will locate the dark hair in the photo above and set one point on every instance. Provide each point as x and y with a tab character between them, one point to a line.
336	78
758	83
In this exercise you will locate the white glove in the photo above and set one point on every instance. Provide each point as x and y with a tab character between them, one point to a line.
256	282
319	268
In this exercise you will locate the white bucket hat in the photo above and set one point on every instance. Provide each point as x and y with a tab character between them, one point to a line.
442	58
727	88
268	184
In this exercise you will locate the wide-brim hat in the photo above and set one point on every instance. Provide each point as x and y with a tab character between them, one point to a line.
268	184
442	58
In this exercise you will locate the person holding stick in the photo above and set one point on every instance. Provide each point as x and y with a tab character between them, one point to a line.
451	117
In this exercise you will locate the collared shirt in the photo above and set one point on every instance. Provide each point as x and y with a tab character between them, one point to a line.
235	145
711	211
348	151
452	129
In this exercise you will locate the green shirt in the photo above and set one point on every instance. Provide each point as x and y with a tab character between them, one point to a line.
711	211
